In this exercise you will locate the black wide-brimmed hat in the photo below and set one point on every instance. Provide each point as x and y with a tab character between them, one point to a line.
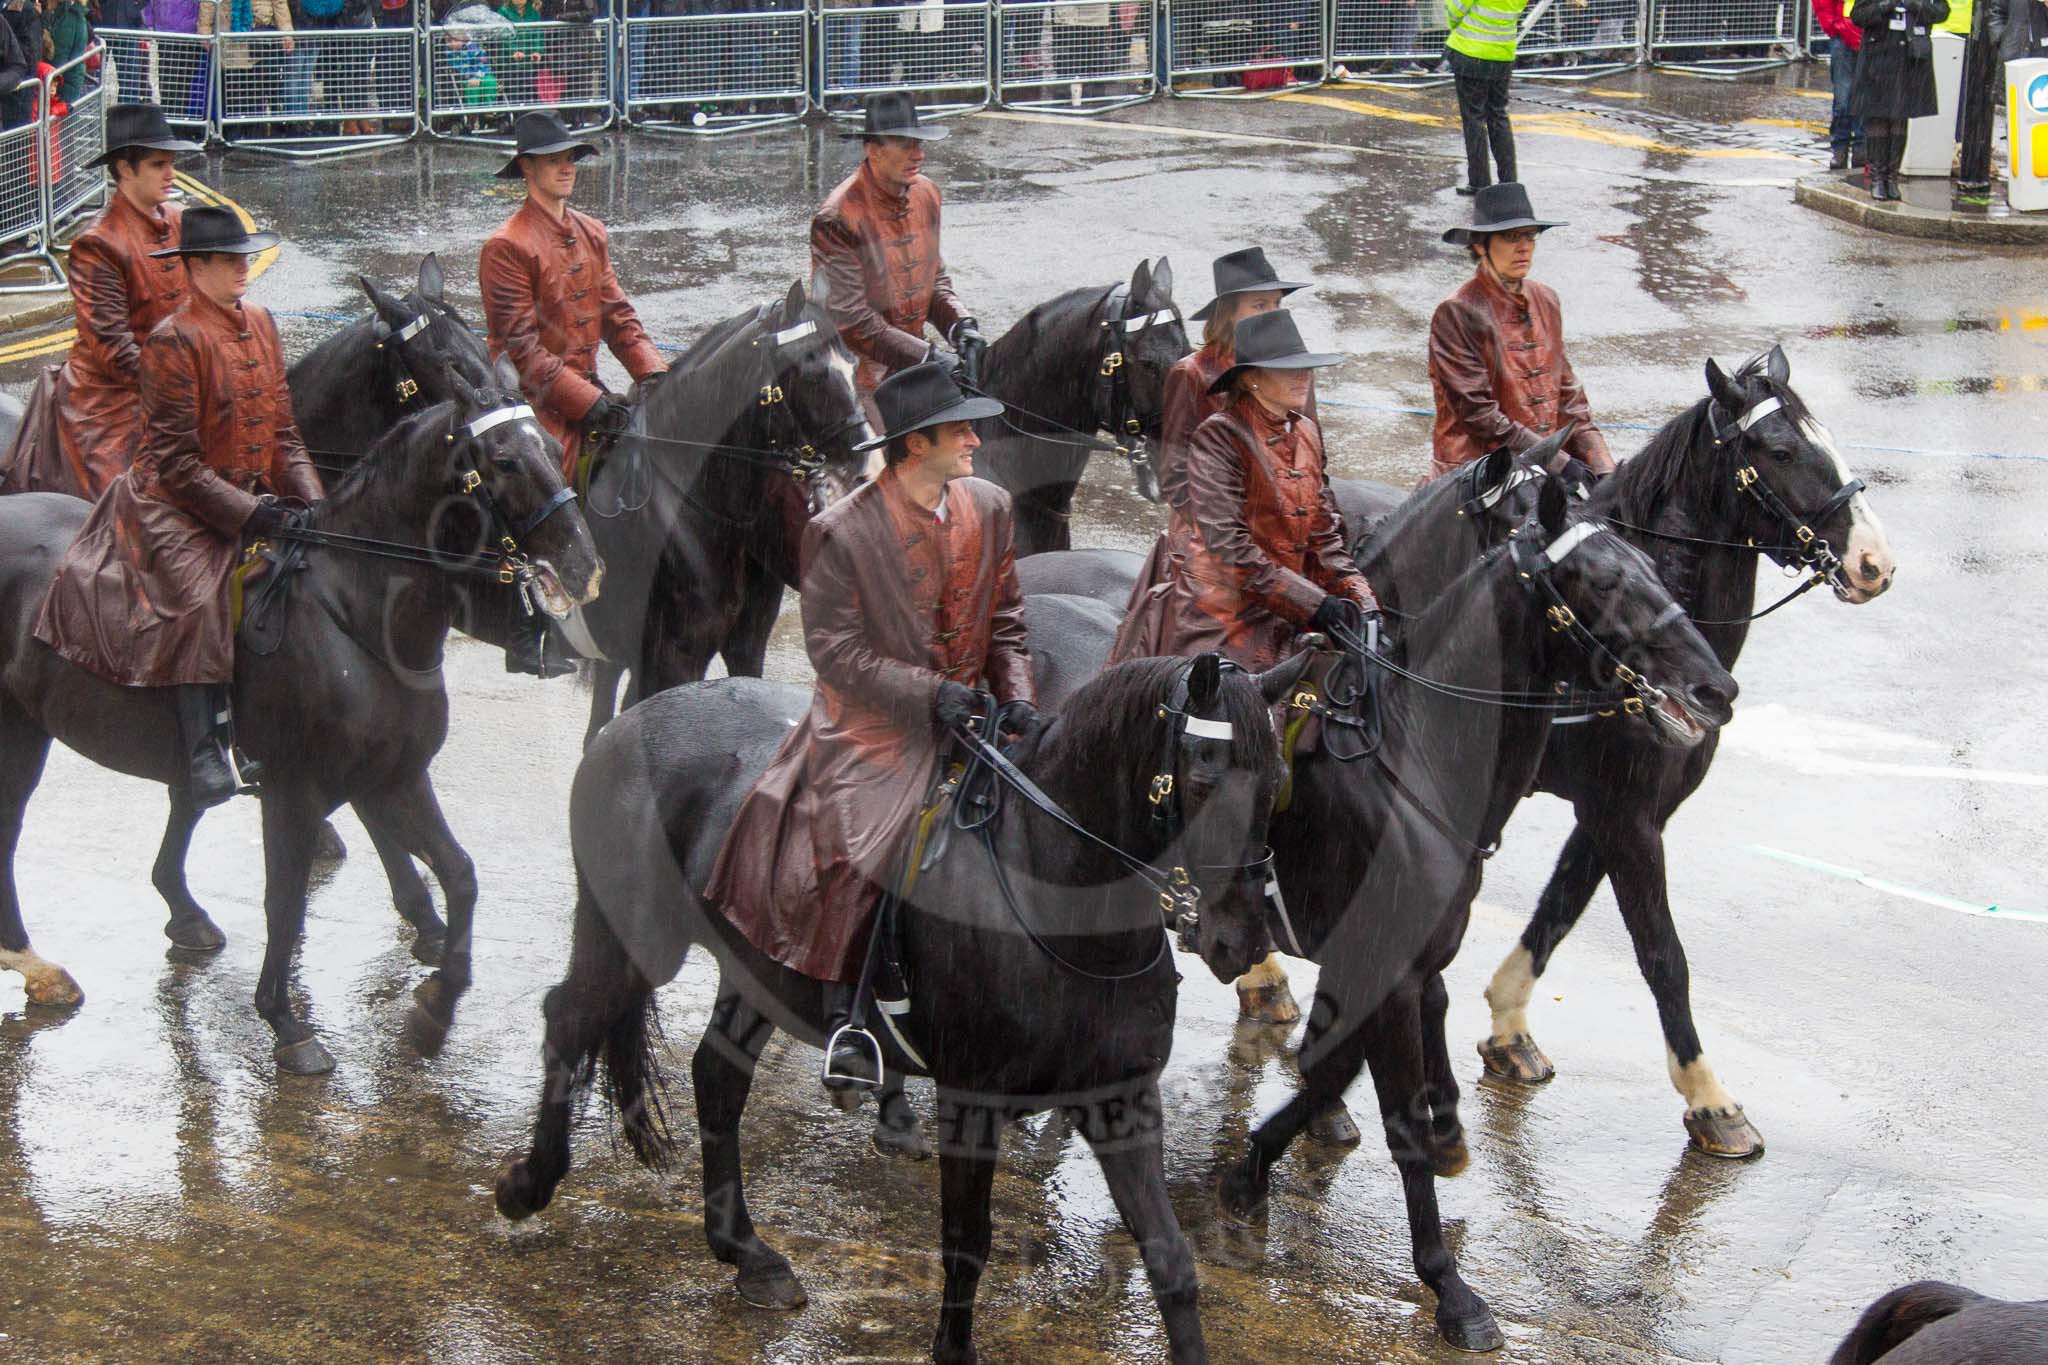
1499	208
924	396
895	114
140	125
1244	272
209	229
1270	341
542	134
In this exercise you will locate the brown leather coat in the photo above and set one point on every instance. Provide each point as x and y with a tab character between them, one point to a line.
1185	403
549	297
84	418
880	253
895	601
1258	549
1497	363
141	597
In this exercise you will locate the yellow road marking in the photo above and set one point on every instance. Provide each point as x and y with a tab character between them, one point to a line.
55	343
1551	123
1807	124
1616	94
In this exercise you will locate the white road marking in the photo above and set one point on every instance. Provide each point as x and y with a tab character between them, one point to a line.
1811	744
1961	907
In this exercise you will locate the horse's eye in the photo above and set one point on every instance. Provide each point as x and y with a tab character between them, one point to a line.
1782	456
504	464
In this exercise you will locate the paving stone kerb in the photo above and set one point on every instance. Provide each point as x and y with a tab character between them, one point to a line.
2000	227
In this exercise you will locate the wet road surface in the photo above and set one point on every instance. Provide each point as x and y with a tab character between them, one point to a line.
165	1192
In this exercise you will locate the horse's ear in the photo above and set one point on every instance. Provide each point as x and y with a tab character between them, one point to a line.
821	287
1777	367
1205	682
1551	505
431	280
1141	284
460	389
387	307
1726	391
1495	466
1544	451
1279	680
506	373
1162	282
793	305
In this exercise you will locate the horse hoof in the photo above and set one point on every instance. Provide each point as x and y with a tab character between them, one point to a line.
905	1141
428	949
1334	1127
327	844
304	1058
1475	1331
1239	1195
516	1193
54	990
1518	1060
1268	1005
198	935
771	1284
1724	1133
845	1098
1450	1159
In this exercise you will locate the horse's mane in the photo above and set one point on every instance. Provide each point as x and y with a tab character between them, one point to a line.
398	448
1670	469
714	340
1111	728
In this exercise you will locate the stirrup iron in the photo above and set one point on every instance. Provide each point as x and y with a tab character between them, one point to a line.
853	1033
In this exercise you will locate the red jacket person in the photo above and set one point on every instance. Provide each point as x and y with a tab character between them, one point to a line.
550	297
1496	349
910	601
876	239
141	597
1258	549
84	419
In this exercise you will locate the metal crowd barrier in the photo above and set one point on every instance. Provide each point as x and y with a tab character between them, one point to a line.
940	53
171	70
1387	40
480	79
718	73
1075	57
24	203
1245	47
75	187
1726	37
1579	39
289	93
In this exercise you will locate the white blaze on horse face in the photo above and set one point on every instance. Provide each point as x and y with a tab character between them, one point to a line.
1867	559
1702	1089
1507	995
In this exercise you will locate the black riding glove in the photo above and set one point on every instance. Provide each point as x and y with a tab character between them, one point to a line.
969	346
607	417
1338	611
954	706
267	519
1021	722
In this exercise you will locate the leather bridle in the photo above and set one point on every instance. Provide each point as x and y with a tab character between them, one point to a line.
1116	405
1798	543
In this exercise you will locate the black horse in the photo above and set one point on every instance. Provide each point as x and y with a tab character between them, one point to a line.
1745	472
1931	1323
1380	849
1091	360
1084	1019
700	508
350	706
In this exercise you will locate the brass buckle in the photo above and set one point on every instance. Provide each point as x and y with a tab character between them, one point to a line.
1180	877
1633	705
1561	617
408	389
1804	535
1745	476
507	574
1304	700
1111	363
770	394
471	481
1162	788
1626	676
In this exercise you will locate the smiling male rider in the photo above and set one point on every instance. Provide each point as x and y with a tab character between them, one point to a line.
1496	350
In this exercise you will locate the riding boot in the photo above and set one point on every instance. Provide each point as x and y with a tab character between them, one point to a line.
533	650
851	1057
208	778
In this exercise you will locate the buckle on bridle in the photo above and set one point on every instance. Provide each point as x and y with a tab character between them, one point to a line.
1745	476
771	394
471	481
408	389
1561	617
1111	363
1161	789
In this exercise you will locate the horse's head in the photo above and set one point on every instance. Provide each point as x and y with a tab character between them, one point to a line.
810	384
423	341
1143	340
1612	624
1799	502
501	464
1430	538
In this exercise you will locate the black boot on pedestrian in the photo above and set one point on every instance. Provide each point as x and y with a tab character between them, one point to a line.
208	778
853	1057
1838	159
533	651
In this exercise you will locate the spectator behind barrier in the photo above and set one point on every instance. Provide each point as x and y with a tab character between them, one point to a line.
67	32
127	54
525	50
14	69
25	22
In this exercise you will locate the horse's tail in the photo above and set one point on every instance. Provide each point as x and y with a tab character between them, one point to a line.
1897	1316
635	1085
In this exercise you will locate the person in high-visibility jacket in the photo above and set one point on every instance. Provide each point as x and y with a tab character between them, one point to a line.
1481	54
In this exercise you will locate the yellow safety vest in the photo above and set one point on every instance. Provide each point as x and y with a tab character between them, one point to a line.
1485	29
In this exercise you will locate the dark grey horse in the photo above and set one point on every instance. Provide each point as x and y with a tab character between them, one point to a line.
1083	1019
351	706
1089	361
1931	1323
